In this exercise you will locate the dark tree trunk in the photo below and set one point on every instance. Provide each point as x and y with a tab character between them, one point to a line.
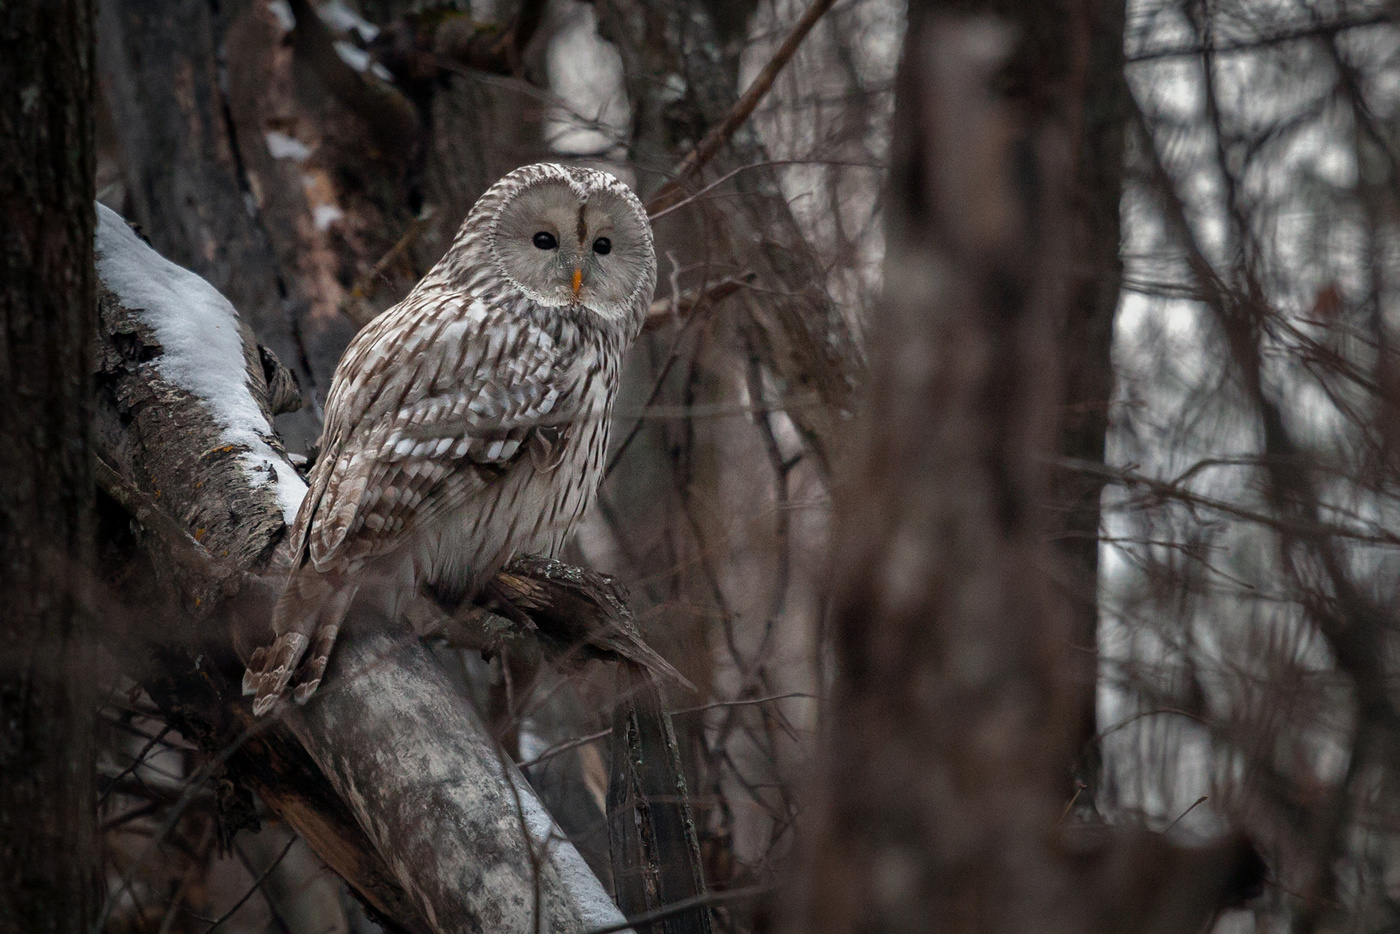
949	718
47	305
1086	342
190	183
955	710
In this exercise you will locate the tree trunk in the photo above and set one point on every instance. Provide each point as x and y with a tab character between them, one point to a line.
954	712
1086	342
47	306
189	180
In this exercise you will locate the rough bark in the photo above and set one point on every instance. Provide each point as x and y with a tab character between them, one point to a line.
47	816
953	712
655	850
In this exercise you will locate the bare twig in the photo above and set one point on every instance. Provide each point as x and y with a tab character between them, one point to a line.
670	911
671	308
356	305
257	884
1281	37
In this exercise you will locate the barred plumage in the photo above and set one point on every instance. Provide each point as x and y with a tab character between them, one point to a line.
470	420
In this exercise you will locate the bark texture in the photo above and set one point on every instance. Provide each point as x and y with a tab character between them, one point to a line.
47	837
192	181
656	854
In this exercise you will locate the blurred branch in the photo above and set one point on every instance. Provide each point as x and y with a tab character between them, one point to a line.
464	42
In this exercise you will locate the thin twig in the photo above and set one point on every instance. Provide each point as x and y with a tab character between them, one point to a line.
257	884
356	307
1295	34
564	747
187	795
135	764
670	308
763	164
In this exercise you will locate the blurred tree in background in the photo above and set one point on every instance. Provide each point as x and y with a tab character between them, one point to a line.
48	841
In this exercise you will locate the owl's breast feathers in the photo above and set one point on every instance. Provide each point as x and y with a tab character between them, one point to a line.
444	406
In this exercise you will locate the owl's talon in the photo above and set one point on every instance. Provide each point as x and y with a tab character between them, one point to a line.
303	692
263	704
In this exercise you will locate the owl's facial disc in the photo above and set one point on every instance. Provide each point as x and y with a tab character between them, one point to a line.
562	249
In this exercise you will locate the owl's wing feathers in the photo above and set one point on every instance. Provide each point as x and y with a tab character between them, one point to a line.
515	396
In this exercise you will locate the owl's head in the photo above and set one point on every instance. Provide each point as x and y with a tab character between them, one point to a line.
572	237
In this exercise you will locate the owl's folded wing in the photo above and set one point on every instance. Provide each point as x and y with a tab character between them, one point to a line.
449	438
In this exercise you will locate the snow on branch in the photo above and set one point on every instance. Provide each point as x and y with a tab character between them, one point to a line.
203	343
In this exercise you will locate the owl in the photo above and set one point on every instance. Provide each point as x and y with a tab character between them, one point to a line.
469	421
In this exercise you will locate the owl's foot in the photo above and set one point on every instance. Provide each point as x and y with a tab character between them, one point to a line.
270	670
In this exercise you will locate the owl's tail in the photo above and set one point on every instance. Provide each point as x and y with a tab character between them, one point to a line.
307	620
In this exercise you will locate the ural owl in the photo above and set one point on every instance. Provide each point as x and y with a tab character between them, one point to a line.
470	420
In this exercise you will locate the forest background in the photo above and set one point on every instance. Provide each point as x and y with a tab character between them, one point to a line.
1010	462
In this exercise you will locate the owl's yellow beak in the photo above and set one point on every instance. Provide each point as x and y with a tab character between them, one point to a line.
578	280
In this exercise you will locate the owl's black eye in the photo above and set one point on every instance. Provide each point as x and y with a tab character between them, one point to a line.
602	246
545	241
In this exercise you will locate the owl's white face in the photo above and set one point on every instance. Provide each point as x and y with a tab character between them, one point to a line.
569	242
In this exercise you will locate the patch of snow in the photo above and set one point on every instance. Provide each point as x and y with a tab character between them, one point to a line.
340	18
283	11
282	146
326	214
358	59
198	329
352	55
